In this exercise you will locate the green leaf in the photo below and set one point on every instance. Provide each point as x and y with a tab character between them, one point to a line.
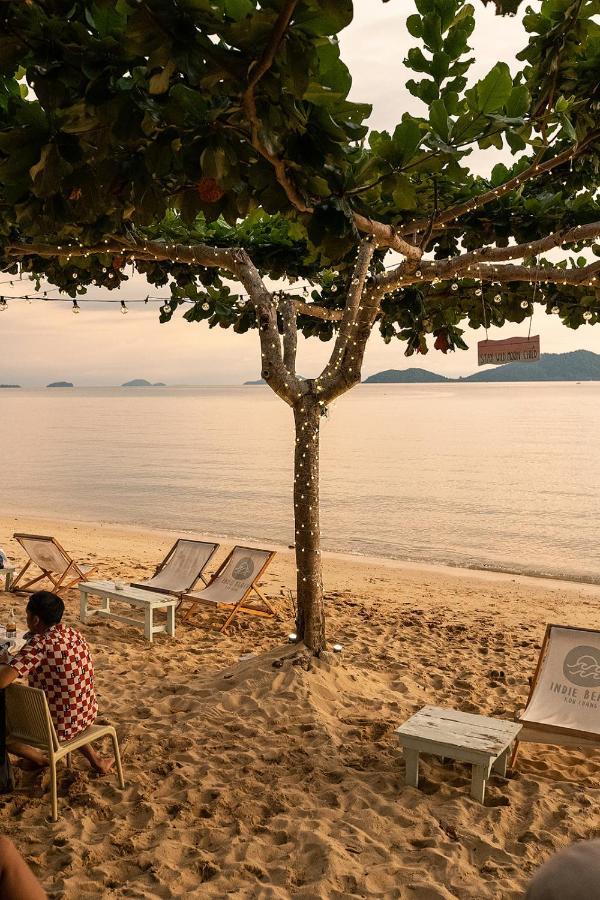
404	194
432	32
413	26
438	118
495	89
407	139
159	83
518	102
322	17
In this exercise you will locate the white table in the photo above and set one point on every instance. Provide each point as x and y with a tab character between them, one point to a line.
483	742
148	601
7	573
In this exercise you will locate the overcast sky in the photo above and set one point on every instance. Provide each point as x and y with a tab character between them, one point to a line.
46	342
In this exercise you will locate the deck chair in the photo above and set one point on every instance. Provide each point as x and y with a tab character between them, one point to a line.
181	568
56	564
232	585
28	720
564	699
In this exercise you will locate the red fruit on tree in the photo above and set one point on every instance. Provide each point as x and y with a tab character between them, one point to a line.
209	190
441	342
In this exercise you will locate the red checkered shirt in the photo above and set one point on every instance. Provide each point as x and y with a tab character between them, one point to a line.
59	662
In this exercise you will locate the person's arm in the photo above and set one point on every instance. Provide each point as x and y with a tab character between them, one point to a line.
7	675
11	667
17	881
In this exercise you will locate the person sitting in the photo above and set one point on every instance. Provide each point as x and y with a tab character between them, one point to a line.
57	659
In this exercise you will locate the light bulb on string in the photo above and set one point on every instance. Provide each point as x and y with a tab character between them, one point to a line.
588	315
524	304
167	308
76	308
497	298
124	309
3	304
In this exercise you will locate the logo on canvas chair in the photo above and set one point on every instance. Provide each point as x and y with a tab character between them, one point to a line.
582	666
243	569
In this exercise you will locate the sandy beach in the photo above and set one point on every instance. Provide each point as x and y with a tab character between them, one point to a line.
259	778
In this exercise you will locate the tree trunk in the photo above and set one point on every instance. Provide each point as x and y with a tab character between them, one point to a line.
310	625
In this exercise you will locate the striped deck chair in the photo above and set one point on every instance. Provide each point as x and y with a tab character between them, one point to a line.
55	563
181	568
564	699
233	584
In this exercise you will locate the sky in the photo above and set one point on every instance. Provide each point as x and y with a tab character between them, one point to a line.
41	342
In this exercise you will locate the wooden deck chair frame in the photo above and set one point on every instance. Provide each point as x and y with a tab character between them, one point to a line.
267	610
160	567
71	576
29	721
569	737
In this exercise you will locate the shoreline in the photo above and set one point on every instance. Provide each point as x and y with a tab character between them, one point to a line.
492	575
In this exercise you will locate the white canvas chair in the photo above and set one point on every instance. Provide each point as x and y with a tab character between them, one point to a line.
28	720
233	584
181	568
55	563
564	699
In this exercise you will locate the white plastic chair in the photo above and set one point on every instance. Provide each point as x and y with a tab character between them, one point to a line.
28	720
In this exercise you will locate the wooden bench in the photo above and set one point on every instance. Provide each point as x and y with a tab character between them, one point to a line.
148	601
448	733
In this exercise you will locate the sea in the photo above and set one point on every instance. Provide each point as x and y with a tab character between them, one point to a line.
486	476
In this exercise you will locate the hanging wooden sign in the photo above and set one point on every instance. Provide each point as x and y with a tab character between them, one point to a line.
515	349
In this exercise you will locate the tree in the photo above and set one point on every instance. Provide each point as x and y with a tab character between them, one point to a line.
207	141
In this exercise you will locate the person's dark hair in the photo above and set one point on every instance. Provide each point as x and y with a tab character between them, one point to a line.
48	606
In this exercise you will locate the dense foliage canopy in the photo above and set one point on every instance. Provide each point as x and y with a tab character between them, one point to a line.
228	123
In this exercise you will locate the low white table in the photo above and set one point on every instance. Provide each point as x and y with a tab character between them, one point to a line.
149	601
483	742
7	573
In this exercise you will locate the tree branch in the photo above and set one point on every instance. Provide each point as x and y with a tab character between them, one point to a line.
387	236
518	251
341	372
249	106
318	312
535	170
433	271
287	308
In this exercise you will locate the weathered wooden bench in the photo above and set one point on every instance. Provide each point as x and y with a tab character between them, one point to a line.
448	733
148	601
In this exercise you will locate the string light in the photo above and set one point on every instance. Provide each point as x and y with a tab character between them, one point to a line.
3	304
124	309
76	307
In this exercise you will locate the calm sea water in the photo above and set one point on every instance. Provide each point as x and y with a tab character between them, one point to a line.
487	476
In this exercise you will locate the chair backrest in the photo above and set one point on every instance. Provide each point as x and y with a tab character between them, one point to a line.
236	575
182	566
28	717
45	552
565	693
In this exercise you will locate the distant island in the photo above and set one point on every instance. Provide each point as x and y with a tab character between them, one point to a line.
578	365
10	385
60	384
141	382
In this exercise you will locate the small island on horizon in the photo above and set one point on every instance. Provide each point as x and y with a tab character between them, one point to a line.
577	365
60	384
141	382
10	385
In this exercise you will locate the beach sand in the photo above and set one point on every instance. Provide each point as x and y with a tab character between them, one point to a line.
262	779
